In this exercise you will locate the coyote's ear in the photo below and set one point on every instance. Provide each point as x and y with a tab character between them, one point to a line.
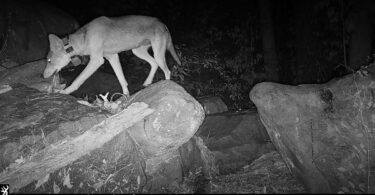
55	43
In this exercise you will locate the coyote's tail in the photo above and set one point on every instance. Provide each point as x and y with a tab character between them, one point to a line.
173	52
170	48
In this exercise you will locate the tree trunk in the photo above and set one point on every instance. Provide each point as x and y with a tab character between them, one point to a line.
268	40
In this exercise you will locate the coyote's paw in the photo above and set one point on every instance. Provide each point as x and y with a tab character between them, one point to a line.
146	83
63	91
67	90
125	91
57	88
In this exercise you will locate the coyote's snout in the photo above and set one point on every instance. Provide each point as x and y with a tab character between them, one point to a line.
104	38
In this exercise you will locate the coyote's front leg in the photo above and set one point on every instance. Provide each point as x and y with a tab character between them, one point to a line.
93	65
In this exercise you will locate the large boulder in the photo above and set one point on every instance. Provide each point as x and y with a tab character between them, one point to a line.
235	139
325	133
24	29
213	104
28	74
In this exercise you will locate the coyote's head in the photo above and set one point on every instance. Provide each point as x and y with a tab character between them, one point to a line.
57	57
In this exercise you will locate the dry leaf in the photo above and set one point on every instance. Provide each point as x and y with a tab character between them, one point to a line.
345	189
351	184
98	185
42	181
20	160
362	186
5	88
67	181
56	188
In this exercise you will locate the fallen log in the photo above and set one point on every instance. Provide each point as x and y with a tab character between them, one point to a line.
176	119
325	133
31	120
134	160
70	149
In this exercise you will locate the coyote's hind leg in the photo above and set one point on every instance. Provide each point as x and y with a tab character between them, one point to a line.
142	53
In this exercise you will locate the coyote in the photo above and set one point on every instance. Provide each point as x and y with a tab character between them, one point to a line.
106	37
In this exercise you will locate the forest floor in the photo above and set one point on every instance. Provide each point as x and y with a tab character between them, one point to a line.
267	174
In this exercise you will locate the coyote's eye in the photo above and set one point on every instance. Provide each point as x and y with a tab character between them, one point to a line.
48	60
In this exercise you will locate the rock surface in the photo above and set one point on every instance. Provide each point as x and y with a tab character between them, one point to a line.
325	133
29	74
235	138
213	104
24	29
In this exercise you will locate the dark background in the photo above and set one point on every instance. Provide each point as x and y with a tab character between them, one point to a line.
226	47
